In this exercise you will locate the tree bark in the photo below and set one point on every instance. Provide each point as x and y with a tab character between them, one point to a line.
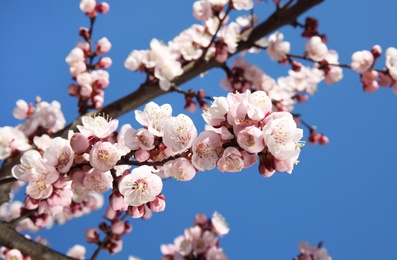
12	239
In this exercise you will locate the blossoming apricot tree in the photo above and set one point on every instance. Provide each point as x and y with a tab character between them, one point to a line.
65	170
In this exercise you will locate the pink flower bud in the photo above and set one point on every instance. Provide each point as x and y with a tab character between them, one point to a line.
302	98
104	62
54	200
376	51
142	155
85	91
79	143
73	90
200	219
136	211
103	226
296	66
127	227
114	246
158	204
98	101
267	165
102	8
314	137
117	202
370	87
110	213
103	45
31	203
118	227
92	235
190	106
77	68
221	54
323	140
87	6
84	32
384	80
201	93
85	46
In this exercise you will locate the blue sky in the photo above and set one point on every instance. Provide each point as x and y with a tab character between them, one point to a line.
343	194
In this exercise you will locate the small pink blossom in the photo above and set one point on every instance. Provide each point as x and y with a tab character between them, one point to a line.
140	186
215	253
135	60
316	49
97	126
92	235
281	135
103	7
362	61
179	133
100	79
22	110
98	181
40	183
230	161
77	251
12	140
104	156
87	6
103	45
104	62
47	116
76	55
276	47
181	169
219	224
139	139
243	4
59	154
29	161
79	143
219	3
391	61
183	245
202	10
204	150
154	117
12	254
316	253
250	139
215	115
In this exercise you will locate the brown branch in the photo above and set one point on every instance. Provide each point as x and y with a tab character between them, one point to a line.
12	239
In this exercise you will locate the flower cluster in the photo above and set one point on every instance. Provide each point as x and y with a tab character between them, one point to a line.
200	241
284	92
91	78
64	176
45	118
243	126
164	62
12	142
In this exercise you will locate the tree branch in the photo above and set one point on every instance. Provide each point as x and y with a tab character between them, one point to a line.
12	239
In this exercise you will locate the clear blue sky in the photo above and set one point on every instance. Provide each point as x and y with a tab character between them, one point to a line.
343	194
